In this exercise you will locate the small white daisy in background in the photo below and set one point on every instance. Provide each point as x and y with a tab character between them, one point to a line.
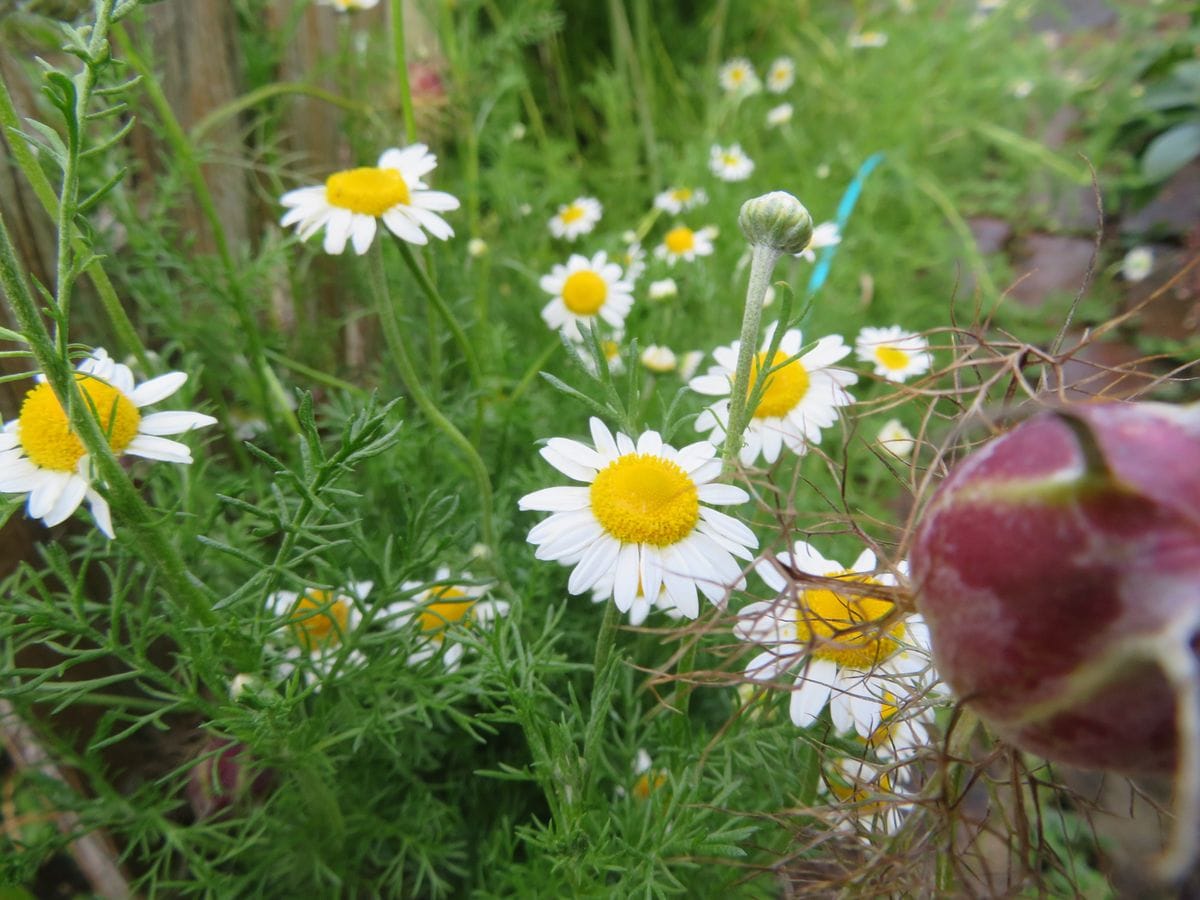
613	349
906	6
1137	264
683	243
584	290
451	603
861	40
847	650
41	456
737	76
477	247
896	439
349	5
799	399
680	199
827	234
664	289
1021	89
314	626
729	163
634	261
349	203
781	75
648	780
897	354
524	210
576	218
779	115
643	519
659	360
689	363
822	171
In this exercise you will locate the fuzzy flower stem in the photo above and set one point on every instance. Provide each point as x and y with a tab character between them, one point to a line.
400	60
762	264
606	640
393	333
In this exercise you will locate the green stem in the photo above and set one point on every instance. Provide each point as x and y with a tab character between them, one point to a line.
456	331
270	391
400	61
762	263
606	639
393	333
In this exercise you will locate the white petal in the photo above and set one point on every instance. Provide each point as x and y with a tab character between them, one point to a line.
729	527
625	581
68	501
337	231
556	499
403	227
808	699
722	494
567	465
769	665
578	453
596	561
363	233
46	491
157	388
101	513
173	422
151	447
606	446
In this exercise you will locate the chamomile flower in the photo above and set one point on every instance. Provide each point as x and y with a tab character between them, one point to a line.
644	517
799	399
584	290
827	234
896	439
41	456
729	163
1137	264
439	610
576	218
848	650
897	354
349	203
680	199
315	625
737	76
867	799
634	261
349	5
779	115
683	243
665	289
868	40
659	360
477	248
781	75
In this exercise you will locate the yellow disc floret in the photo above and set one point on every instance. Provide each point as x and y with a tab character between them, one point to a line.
645	499
680	240
368	191
784	389
319	620
847	629
892	357
572	213
451	605
584	293
46	436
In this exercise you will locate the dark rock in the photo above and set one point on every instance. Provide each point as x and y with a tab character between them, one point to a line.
1046	264
1075	15
990	234
1175	210
1106	369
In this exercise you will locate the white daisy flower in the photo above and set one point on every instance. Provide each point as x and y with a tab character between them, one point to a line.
315	625
729	163
583	291
799	399
1137	264
664	289
576	218
822	171
689	363
683	243
634	261
641	519
349	203
1021	88
867	801
848	650
779	115
861	40
476	248
659	359
439	610
680	199
737	76
896	439
897	354
349	5
41	456
781	75
827	234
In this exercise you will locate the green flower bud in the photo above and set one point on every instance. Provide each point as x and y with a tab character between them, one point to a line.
777	221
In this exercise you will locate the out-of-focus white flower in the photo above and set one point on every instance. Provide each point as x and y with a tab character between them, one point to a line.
781	75
779	115
738	77
576	218
861	40
659	359
1137	264
689	363
664	289
730	163
896	439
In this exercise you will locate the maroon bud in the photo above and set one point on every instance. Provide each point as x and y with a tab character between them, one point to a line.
223	776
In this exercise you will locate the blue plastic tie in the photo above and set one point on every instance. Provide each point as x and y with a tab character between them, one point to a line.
820	271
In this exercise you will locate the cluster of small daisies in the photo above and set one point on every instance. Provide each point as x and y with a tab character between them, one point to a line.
738	78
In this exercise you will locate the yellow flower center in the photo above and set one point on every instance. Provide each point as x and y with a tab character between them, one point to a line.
644	499
737	76
892	357
584	292
860	793
612	350
451	606
572	213
784	389
46	435
682	195
730	160
644	787
367	191
846	629
680	240
319	619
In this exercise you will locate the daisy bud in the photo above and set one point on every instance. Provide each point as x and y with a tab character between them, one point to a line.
223	777
778	221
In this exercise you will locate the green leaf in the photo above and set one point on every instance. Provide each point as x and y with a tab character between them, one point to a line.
1171	151
8	506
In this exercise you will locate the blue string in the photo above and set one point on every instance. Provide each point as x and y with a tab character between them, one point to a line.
820	271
